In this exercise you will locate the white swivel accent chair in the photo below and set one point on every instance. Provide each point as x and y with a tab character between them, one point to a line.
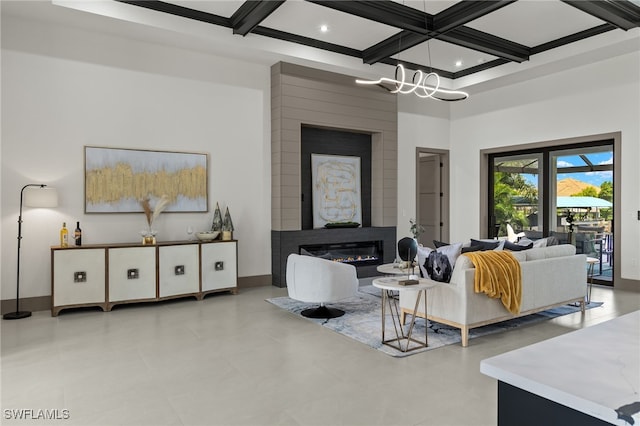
316	280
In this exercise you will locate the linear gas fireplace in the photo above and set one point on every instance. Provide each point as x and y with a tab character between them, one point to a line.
357	254
365	248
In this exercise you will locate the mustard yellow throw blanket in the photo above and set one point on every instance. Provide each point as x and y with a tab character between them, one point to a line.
498	275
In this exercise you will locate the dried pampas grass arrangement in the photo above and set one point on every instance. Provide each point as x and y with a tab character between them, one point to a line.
151	215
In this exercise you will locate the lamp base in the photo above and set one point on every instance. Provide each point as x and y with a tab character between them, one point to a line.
16	315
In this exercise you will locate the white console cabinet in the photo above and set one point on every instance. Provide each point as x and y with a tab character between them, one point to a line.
79	278
178	270
107	275
218	265
132	274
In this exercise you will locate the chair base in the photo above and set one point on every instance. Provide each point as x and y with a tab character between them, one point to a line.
322	312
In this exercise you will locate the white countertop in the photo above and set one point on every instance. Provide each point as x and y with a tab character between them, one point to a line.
594	370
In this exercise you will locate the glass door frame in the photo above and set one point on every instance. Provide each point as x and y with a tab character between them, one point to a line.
486	171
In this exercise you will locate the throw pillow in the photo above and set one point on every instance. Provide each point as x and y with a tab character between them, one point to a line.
466	248
471	248
542	242
485	244
438	244
517	247
438	264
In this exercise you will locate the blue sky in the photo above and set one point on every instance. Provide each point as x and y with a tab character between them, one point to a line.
594	178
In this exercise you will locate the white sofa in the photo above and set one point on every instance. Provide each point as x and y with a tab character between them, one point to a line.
551	276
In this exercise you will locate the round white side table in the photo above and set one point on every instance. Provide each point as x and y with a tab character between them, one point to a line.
390	284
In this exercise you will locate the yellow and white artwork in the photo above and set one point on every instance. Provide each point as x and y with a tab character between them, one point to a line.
117	180
336	189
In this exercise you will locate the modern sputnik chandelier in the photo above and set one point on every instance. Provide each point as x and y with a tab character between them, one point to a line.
424	85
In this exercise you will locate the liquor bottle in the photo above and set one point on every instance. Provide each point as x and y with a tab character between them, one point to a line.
64	235
77	234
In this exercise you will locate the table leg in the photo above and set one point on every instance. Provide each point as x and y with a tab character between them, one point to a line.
399	331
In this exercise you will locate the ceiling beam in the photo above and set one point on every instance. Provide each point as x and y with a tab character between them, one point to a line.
182	11
448	25
251	14
464	12
385	12
487	43
306	41
392	46
600	29
622	14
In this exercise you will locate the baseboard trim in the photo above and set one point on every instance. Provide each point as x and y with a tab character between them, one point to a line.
33	304
254	281
43	303
627	285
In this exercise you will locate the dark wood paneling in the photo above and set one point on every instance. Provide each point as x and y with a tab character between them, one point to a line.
334	142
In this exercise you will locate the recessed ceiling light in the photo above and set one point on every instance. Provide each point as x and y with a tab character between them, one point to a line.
458	63
324	28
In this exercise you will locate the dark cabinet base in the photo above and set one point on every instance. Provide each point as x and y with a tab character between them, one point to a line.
517	407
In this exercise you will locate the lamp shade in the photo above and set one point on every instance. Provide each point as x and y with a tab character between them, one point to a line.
41	197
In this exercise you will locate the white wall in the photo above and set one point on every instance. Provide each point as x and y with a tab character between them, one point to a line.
424	124
593	99
597	98
63	89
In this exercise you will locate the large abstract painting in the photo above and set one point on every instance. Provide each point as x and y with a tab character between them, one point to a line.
336	189
117	180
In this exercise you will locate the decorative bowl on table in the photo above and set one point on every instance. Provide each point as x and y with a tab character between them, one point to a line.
207	235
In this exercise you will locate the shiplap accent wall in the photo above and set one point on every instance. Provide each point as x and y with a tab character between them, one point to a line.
301	95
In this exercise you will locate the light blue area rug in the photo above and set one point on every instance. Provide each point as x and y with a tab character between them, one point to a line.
362	321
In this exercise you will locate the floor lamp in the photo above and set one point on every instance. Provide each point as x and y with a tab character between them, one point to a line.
41	197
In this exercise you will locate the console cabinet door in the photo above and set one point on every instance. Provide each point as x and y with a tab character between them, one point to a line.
218	263
132	273
178	270
78	277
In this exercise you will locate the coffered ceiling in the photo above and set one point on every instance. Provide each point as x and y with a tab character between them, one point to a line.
460	40
456	38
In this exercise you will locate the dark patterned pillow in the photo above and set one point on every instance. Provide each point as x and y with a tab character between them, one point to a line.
438	267
485	244
438	264
517	247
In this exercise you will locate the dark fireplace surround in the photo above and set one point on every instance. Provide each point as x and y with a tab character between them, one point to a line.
284	243
334	243
326	113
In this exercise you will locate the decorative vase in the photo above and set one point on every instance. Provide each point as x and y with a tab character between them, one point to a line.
148	236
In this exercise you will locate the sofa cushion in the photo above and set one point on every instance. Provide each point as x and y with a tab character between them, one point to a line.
438	264
464	262
538	253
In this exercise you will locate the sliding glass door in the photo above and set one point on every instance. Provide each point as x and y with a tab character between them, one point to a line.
515	196
565	192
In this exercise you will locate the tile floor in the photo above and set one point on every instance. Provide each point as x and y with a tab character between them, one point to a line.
238	360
